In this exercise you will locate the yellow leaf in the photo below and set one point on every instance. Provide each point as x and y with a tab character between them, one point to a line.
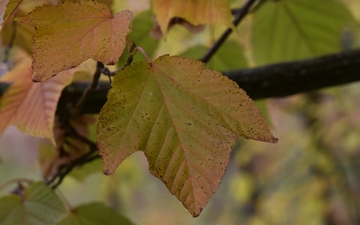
23	35
184	118
70	33
30	106
196	12
8	10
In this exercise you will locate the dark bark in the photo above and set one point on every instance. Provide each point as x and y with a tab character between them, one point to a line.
277	80
284	79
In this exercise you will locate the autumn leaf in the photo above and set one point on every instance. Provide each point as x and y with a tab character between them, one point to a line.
195	12
184	118
108	3
39	205
8	10
31	106
2	12
70	33
23	34
94	214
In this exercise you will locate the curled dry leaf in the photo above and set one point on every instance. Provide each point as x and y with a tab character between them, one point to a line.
157	33
31	106
195	12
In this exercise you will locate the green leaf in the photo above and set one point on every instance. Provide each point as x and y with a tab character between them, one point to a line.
141	28
82	172
297	29
39	206
184	118
94	214
262	105
229	56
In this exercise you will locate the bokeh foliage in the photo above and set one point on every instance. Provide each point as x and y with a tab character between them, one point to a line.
309	177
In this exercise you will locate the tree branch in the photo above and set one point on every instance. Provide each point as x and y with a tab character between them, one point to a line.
284	79
240	14
277	80
87	92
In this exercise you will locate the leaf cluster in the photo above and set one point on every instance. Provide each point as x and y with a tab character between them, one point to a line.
182	113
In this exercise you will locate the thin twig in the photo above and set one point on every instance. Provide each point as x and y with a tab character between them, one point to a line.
66	168
88	157
239	16
76	135
94	83
132	50
110	74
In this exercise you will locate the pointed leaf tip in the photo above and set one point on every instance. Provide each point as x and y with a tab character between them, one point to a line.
184	118
107	172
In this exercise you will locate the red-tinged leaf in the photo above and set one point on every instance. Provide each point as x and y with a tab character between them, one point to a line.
108	3
70	33
196	12
28	105
184	118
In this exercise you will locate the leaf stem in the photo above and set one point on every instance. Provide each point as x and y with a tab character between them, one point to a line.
241	13
143	52
132	50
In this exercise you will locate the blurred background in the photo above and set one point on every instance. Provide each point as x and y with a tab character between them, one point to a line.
311	176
